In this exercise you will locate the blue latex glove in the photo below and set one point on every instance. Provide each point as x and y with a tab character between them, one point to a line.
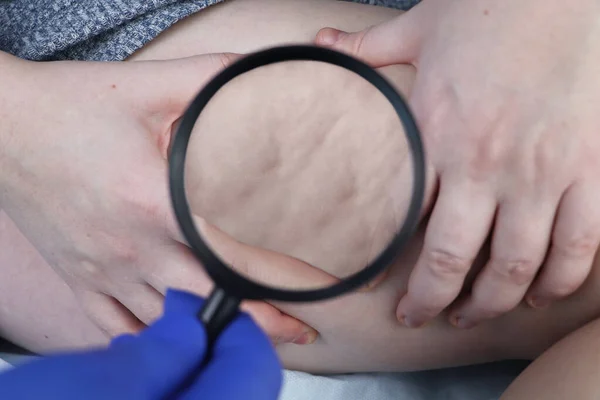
155	363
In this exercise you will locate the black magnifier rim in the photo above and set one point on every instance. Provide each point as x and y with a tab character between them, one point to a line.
225	277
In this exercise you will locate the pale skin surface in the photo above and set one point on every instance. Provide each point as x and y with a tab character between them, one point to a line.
358	332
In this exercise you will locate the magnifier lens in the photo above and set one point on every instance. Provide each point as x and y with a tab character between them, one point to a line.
299	167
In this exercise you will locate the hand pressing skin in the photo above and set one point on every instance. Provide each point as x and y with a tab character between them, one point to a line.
83	175
507	97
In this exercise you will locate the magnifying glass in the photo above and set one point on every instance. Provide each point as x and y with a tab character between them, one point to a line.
292	161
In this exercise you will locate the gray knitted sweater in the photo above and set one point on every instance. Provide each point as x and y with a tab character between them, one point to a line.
101	30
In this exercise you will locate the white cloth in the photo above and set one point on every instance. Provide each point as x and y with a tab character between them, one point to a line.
486	382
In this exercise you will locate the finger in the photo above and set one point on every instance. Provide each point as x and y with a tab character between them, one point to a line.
264	266
255	263
405	83
519	245
575	242
112	317
459	224
396	41
184	272
280	327
142	300
260	265
167	87
178	268
432	187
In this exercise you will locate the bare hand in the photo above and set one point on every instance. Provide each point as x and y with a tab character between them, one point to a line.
507	95
84	177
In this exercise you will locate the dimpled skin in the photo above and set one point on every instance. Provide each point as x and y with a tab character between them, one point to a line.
302	172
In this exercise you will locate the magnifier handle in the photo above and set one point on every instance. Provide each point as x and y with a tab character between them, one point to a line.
218	311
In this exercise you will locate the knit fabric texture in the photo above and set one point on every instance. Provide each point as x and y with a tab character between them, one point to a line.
98	30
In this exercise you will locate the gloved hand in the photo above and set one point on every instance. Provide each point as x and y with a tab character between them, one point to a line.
156	364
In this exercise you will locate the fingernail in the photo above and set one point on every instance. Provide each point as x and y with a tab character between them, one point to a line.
462	322
330	36
538	302
409	322
305	338
308	337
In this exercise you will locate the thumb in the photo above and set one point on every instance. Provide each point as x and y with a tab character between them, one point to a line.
167	87
396	41
259	264
262	265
